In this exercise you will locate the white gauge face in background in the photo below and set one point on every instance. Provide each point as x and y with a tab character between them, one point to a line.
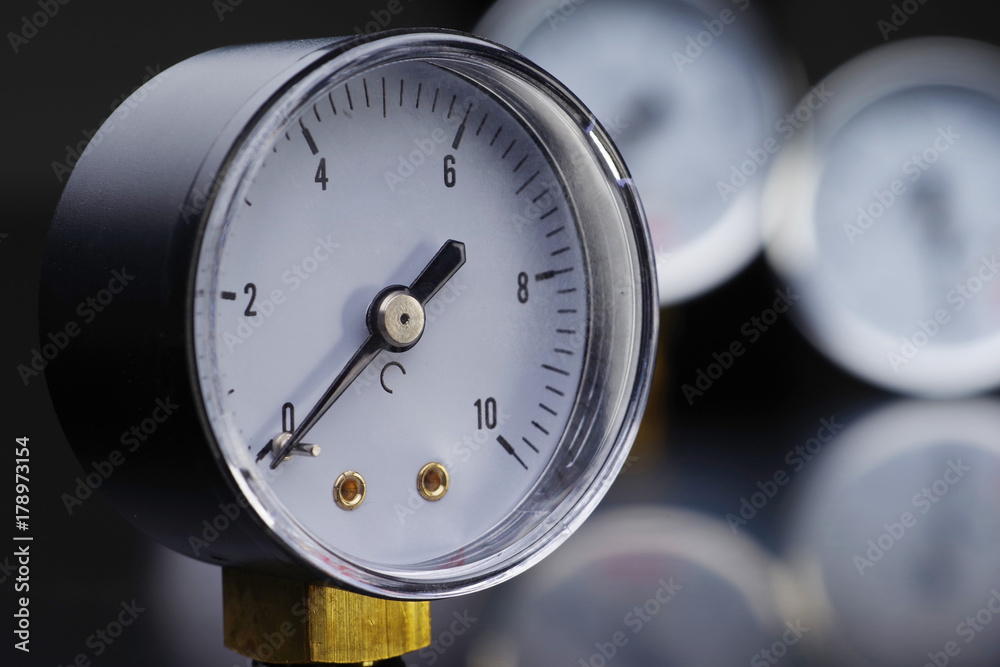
915	177
887	219
895	538
395	323
683	113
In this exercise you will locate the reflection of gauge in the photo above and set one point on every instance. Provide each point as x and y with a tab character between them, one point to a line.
896	537
689	89
400	290
646	586
886	218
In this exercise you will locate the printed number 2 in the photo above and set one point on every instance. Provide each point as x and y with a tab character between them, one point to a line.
250	289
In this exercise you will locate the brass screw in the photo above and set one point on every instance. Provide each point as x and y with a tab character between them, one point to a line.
432	481
349	490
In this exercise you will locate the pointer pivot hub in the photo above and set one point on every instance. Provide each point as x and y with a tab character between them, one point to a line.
399	319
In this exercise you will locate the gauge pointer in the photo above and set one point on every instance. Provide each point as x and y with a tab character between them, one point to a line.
395	322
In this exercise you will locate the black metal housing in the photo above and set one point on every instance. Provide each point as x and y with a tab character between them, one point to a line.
117	273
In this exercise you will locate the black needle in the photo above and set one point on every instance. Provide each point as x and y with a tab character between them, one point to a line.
448	260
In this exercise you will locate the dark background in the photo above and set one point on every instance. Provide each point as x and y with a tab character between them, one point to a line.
66	79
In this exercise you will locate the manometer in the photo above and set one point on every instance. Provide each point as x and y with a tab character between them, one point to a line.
398	290
884	217
690	90
894	538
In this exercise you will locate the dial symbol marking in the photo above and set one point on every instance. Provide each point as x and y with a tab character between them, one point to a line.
445	264
385	368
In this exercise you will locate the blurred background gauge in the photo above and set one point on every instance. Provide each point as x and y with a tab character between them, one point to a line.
895	538
886	217
694	93
640	586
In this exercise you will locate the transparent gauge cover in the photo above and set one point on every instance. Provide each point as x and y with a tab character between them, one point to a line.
689	90
885	218
531	371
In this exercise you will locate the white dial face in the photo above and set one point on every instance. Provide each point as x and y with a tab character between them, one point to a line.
886	219
908	209
682	116
358	195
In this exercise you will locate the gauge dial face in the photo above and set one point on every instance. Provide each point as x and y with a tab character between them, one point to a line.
895	238
487	390
931	155
682	115
394	322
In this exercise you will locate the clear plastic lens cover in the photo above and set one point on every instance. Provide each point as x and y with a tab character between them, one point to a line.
530	368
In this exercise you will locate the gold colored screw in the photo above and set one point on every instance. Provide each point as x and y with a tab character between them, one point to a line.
432	481
349	490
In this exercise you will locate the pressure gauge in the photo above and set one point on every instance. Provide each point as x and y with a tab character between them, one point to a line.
884	218
644	585
690	90
894	539
398	290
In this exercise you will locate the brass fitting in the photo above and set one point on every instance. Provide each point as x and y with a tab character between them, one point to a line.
284	621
